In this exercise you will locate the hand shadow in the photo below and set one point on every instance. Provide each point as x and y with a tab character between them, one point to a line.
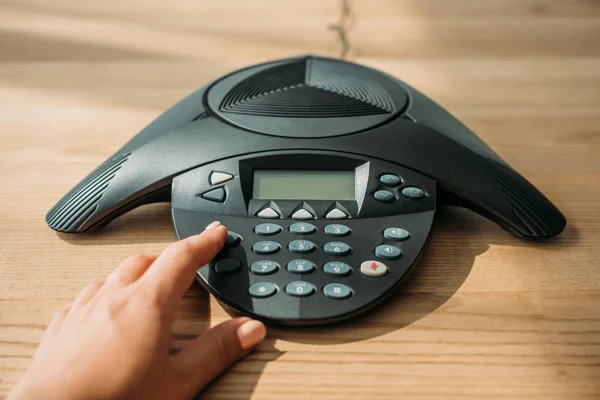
239	381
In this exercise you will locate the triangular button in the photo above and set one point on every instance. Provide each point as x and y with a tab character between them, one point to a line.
216	195
302	214
219	177
336	213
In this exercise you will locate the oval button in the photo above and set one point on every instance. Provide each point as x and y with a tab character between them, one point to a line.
337	248
228	266
373	268
337	268
232	238
337	230
266	247
300	266
337	291
262	289
267	229
299	289
264	267
396	234
412	192
384	196
301	246
302	228
388	252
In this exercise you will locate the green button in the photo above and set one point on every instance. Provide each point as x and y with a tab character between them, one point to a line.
388	252
301	246
337	230
337	248
302	228
390	180
396	234
267	229
232	238
300	266
266	247
264	267
337	291
385	196
262	289
337	268
412	192
299	289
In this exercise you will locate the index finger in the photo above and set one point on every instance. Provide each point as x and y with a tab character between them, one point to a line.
172	273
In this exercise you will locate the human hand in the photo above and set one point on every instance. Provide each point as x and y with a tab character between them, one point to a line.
113	341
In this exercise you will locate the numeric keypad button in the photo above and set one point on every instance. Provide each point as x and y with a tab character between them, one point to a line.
396	234
337	291
266	247
301	246
299	289
337	268
388	252
337	230
300	266
337	249
262	289
267	229
264	267
302	228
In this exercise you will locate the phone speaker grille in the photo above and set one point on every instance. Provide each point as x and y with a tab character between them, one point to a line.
73	210
535	212
308	89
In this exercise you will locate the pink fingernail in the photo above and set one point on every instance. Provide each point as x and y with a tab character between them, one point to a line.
213	225
250	333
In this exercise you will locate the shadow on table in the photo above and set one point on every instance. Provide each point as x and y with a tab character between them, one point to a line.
239	381
459	237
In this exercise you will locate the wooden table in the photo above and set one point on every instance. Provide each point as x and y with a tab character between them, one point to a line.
487	315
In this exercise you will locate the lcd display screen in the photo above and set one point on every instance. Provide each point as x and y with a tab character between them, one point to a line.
271	184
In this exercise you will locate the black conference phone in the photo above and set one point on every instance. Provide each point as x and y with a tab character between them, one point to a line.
327	175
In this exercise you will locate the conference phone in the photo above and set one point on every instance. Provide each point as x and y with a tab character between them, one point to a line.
327	175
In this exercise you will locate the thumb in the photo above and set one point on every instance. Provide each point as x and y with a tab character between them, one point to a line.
216	349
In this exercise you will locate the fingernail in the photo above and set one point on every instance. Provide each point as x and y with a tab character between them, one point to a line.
213	225
250	333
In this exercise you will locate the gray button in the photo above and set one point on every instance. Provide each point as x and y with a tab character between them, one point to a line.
337	248
299	288
413	192
262	289
300	266
302	214
337	291
267	213
266	247
267	229
388	252
337	268
264	267
302	228
390	180
373	268
228	266
232	238
216	195
301	246
336	213
396	234
219	177
337	230
385	196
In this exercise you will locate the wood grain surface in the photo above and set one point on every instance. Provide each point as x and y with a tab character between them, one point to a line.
486	315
